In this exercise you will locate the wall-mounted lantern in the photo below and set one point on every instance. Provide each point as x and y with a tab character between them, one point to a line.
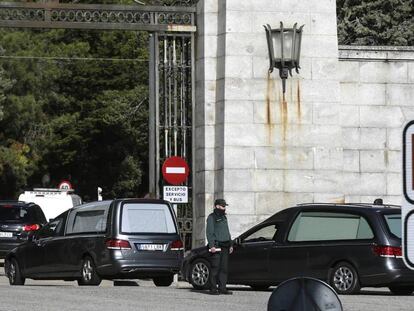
284	50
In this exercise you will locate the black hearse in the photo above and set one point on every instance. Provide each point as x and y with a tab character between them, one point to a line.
119	239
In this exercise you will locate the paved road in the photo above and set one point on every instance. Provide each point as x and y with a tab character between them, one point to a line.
59	295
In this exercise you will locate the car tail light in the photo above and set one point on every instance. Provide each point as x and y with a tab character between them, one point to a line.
117	244
33	227
177	245
388	251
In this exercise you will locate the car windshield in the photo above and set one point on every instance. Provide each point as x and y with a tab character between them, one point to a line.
394	224
15	213
147	218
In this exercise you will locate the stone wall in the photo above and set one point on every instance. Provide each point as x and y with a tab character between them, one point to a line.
335	135
377	100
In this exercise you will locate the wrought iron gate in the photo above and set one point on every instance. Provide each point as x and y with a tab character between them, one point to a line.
171	69
172	91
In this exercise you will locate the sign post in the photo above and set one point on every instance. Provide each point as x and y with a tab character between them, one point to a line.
407	210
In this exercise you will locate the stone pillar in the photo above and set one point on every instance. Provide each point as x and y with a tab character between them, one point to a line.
259	150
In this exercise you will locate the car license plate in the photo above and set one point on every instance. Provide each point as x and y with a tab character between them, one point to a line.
150	247
6	234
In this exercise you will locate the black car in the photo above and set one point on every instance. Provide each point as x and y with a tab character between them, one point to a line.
17	219
347	245
119	239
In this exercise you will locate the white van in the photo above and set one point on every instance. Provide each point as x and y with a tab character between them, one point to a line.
52	201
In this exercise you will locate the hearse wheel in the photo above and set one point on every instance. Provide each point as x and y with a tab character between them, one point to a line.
344	279
200	274
89	275
14	274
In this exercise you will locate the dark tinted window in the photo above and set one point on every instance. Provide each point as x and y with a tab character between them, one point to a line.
394	224
266	233
54	228
324	226
17	213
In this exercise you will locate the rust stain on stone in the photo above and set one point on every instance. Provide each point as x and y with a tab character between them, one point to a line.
283	115
298	104
270	97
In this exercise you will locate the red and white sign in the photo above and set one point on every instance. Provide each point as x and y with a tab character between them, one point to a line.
65	185
175	170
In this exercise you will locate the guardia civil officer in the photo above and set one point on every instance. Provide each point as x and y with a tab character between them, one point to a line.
220	246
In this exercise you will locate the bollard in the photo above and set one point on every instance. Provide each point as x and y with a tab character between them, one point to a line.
304	294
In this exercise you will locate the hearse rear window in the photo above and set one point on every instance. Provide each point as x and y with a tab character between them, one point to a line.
147	218
323	226
394	224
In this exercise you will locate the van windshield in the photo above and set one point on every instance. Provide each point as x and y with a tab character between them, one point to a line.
394	224
147	218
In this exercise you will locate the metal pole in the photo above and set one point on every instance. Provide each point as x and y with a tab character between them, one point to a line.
157	114
175	103
151	120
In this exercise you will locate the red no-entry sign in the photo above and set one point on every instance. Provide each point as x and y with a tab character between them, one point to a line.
175	170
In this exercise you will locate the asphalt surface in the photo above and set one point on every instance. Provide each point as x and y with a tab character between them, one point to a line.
143	295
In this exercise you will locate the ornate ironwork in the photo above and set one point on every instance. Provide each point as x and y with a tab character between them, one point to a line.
128	17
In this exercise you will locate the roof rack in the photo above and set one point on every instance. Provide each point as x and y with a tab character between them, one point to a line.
350	204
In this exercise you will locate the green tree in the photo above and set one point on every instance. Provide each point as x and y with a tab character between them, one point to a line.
375	22
75	113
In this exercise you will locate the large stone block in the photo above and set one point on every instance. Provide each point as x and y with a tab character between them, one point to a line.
351	161
394	138
348	71
239	158
240	203
381	116
372	161
320	91
394	161
349	116
328	158
383	72
207	46
283	158
268	180
239	21
246	135
400	94
370	94
208	24
289	6
373	138
239	112
394	184
269	203
237	89
411	73
204	159
324	68
299	181
238	67
347	92
242	44
319	46
363	183
326	113
238	180
327	181
323	23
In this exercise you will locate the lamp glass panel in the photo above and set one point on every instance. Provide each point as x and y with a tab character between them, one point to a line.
277	51
297	46
287	44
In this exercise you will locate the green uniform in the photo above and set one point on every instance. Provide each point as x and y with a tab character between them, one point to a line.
217	230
